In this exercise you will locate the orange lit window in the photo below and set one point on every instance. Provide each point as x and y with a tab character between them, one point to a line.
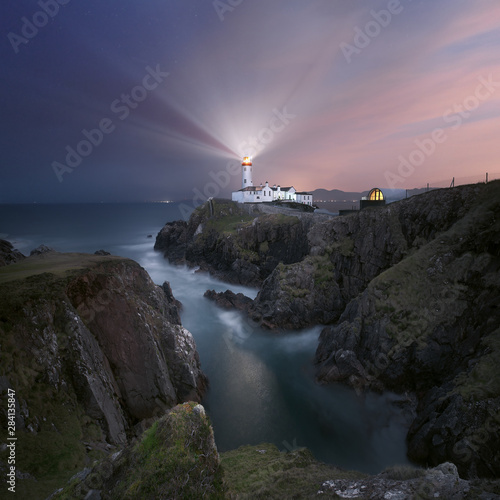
376	195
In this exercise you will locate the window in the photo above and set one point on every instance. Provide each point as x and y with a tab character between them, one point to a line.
376	195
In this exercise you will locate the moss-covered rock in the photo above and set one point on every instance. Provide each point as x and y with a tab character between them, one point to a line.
175	458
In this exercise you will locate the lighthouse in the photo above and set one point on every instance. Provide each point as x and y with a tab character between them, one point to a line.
246	168
265	193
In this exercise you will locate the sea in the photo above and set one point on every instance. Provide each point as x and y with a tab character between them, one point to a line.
262	387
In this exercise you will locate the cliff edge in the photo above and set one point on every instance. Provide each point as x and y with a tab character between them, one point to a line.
93	351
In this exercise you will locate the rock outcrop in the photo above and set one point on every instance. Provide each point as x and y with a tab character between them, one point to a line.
430	325
347	253
8	254
94	350
175	458
224	239
230	300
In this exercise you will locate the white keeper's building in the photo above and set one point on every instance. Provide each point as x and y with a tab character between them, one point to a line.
266	193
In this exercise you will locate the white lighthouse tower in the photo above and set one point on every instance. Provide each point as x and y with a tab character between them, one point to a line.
246	168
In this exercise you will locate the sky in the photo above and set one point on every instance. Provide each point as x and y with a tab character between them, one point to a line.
124	101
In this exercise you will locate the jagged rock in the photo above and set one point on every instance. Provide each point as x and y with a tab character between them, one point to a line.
40	249
224	239
8	254
346	253
101	252
440	482
172	241
174	306
297	296
436	334
97	348
229	299
410	293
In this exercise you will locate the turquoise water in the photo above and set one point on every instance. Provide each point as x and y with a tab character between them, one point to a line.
262	385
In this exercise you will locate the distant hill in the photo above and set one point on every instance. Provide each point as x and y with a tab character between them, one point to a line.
335	199
337	195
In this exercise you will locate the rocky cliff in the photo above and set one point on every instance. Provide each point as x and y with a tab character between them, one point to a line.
410	293
93	350
347	252
234	244
430	324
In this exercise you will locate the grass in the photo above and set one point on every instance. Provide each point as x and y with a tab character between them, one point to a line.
175	458
323	270
345	247
263	472
229	224
58	264
483	381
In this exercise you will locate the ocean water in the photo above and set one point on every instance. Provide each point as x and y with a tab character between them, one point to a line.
262	386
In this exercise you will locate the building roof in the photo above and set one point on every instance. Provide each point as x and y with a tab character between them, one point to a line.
302	192
282	188
252	188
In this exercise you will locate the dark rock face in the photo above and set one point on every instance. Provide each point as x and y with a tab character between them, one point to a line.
297	296
229	300
346	253
172	240
8	254
224	239
465	431
100	336
429	325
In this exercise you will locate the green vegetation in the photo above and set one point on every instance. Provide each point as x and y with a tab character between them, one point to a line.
323	271
229	224
483	380
403	472
345	247
253	472
175	458
54	263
